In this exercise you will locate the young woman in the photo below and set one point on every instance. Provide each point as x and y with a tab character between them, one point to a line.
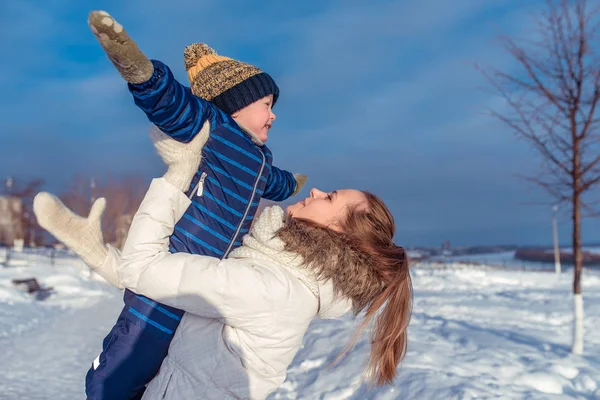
246	315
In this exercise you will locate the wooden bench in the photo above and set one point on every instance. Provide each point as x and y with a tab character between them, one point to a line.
32	286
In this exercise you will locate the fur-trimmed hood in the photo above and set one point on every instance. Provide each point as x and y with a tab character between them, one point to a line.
339	275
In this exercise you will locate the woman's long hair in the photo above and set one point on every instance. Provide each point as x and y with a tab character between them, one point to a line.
365	265
373	230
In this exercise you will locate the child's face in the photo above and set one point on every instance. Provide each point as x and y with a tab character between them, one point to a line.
258	117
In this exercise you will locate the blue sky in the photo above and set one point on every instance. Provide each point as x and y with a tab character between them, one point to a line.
378	95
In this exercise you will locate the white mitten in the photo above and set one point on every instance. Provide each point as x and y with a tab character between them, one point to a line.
182	159
82	235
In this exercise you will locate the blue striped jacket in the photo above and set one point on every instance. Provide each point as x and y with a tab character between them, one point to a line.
234	174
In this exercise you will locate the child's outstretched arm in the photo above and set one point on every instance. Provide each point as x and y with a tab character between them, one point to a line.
283	184
167	103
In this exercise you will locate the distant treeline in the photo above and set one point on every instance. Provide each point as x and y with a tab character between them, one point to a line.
547	256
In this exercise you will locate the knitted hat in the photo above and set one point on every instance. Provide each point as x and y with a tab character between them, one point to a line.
230	84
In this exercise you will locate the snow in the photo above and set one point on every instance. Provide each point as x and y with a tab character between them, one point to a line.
476	332
47	346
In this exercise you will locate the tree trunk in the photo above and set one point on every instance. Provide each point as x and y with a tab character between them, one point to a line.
578	264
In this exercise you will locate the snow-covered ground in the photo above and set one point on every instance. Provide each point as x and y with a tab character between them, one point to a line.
47	346
475	333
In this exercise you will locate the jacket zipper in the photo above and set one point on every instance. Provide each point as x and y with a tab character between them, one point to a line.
249	205
200	185
199	188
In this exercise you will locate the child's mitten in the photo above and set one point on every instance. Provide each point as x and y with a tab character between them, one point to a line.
182	159
300	182
132	64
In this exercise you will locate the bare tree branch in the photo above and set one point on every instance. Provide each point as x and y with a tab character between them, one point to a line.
587	184
591	212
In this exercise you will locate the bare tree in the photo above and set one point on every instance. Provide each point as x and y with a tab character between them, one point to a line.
551	103
123	197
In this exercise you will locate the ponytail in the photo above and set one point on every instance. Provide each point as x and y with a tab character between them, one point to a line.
389	339
391	308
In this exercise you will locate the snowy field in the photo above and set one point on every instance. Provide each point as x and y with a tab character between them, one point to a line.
476	333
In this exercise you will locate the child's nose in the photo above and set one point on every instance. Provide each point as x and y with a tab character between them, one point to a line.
273	116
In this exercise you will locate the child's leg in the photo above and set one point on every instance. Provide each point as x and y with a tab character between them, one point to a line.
133	351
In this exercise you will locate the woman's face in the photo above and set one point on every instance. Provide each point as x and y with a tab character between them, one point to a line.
327	209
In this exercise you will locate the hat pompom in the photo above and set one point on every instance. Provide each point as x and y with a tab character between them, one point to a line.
194	52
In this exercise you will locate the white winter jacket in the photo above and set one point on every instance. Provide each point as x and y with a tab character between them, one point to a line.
245	315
